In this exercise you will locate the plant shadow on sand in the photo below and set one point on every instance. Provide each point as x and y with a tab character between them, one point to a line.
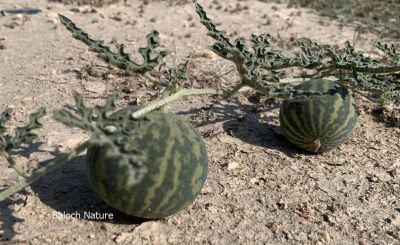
8	220
243	121
7	217
67	192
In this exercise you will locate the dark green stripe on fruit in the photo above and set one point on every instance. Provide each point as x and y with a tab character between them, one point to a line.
292	122
325	121
176	160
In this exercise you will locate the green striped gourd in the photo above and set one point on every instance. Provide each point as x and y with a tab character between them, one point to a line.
319	123
176	160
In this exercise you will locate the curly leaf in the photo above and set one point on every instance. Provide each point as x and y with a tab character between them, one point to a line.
83	122
90	119
250	65
4	117
390	51
25	134
179	73
258	69
120	59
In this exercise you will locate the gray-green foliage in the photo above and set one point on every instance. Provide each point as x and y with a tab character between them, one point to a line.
96	120
249	64
101	124
372	77
260	67
120	59
23	134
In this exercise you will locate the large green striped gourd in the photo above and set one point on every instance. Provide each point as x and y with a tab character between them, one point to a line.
319	123
176	161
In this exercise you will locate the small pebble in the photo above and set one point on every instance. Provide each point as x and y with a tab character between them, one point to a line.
18	17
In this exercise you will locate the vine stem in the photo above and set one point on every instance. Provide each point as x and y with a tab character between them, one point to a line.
234	90
175	96
12	164
155	80
40	172
335	66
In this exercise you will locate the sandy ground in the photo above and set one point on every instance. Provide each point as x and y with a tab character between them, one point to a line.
260	190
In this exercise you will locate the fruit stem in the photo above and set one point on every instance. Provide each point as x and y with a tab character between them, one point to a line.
38	173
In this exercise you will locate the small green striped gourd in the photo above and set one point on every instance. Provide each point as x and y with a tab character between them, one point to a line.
319	123
177	165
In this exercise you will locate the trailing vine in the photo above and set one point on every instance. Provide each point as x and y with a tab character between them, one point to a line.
260	67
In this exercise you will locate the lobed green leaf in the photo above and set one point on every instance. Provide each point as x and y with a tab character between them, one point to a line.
23	134
120	59
259	68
